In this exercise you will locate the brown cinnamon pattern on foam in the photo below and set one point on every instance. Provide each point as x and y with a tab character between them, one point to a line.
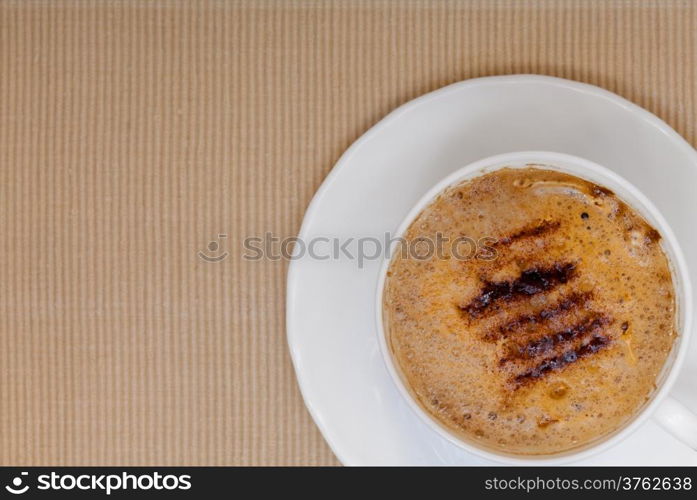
568	303
541	346
542	352
597	343
546	226
530	282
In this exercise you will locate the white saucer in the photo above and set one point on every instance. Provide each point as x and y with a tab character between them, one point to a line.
330	303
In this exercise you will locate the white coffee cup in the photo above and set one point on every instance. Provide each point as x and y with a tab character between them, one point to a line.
666	410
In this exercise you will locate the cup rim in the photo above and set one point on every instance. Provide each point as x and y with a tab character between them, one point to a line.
560	162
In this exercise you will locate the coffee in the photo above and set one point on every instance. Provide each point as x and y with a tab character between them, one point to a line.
552	333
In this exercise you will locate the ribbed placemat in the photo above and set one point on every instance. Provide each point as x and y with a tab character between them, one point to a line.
133	133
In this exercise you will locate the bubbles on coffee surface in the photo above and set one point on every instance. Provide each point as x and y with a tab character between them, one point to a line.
553	343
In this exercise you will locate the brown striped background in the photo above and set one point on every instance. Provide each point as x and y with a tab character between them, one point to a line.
134	132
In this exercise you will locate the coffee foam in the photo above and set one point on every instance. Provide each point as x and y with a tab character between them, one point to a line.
557	341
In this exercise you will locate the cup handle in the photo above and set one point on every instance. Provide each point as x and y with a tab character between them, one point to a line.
674	417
